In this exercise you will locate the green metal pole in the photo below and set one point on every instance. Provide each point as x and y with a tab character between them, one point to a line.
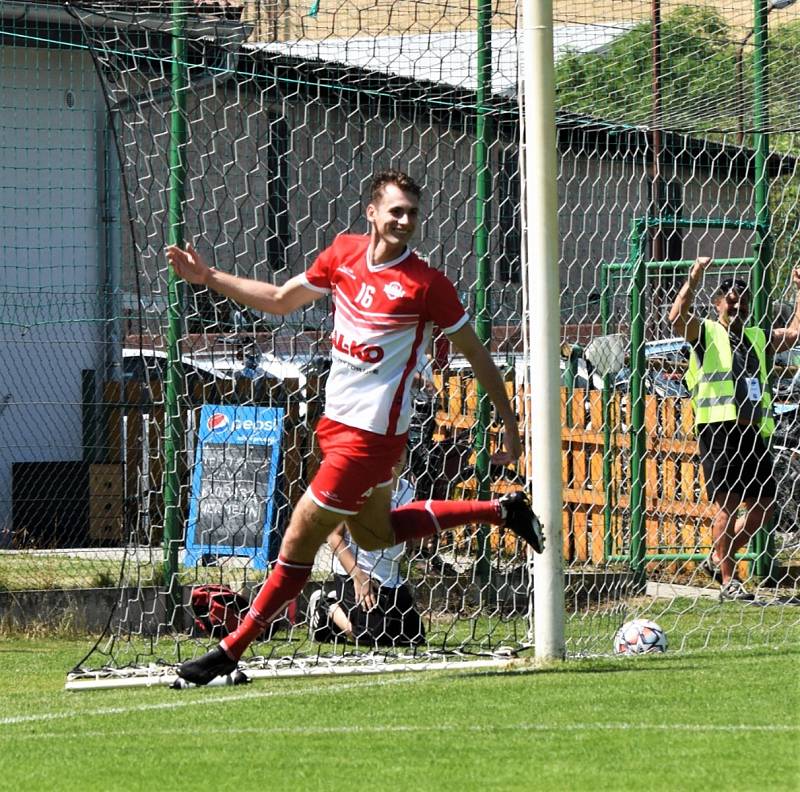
678	557
570	375
761	146
172	433
658	266
760	275
638	363
569	384
608	494
483	312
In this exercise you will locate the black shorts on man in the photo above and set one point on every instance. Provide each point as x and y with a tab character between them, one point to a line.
736	460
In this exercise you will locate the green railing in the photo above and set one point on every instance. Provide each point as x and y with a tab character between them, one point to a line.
637	268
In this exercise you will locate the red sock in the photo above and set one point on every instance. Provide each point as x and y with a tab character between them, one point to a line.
285	582
424	518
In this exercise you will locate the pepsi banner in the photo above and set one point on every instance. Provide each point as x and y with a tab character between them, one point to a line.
233	484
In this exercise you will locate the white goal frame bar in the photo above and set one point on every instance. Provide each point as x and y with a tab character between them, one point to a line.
165	676
540	212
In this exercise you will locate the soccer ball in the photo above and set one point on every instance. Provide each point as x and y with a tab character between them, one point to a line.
640	636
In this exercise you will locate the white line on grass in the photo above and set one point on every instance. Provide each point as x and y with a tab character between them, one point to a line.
205	700
377	729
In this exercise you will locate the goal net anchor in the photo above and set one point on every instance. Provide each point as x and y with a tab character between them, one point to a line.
155	675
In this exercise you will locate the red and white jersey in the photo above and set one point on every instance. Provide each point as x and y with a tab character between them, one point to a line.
383	318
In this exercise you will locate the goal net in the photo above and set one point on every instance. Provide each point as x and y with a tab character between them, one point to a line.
287	116
253	129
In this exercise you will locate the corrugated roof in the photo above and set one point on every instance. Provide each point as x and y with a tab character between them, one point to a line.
449	57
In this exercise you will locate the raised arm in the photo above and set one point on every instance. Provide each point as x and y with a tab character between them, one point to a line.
266	297
487	374
787	337
681	315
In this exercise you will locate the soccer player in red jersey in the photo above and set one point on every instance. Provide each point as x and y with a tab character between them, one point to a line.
386	301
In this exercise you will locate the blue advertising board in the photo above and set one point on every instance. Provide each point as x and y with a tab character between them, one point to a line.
233	485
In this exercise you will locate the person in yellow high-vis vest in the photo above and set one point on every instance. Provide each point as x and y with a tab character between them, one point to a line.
728	377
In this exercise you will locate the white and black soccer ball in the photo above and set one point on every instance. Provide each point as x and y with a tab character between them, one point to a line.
640	636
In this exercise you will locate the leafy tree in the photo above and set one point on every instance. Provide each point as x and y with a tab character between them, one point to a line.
617	84
700	96
784	199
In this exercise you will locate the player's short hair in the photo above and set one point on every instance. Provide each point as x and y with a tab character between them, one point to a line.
737	284
396	177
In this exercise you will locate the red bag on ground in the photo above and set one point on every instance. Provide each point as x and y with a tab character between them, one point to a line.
217	609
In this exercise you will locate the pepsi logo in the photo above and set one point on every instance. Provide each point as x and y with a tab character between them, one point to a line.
216	422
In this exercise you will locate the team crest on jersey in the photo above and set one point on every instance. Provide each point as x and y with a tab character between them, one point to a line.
394	290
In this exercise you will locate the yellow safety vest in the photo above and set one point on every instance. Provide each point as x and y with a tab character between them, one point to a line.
711	383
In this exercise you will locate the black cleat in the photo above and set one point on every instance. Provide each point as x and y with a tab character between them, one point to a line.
211	665
734	590
519	517
711	569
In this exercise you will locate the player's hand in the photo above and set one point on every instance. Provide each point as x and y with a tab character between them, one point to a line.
700	265
189	264
511	451
366	593
796	277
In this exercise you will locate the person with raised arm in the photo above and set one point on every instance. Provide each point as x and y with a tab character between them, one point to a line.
728	378
386	300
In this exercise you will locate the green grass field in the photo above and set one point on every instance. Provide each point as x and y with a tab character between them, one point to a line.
700	720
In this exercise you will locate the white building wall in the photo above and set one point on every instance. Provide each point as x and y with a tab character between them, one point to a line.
50	261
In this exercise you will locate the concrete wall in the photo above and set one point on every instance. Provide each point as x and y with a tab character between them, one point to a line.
327	150
326	155
600	194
